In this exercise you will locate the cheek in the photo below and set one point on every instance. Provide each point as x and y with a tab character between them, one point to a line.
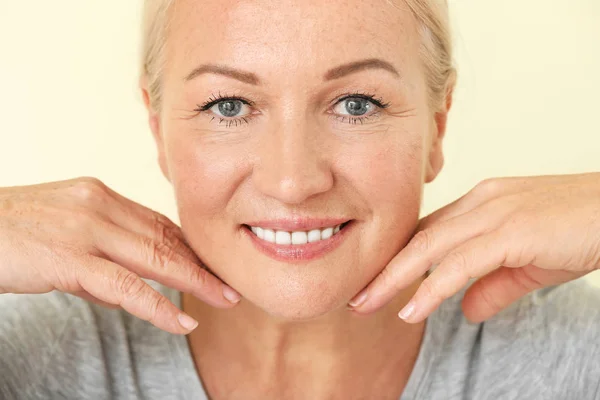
387	175
387	172
204	176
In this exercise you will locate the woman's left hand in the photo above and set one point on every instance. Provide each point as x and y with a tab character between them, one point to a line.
515	234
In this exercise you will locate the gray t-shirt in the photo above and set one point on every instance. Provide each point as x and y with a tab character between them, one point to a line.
545	346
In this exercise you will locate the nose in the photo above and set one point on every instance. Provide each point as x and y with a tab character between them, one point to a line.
292	165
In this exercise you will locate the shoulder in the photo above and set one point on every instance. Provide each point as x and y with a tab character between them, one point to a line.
34	322
54	342
565	319
31	328
544	345
561	324
30	321
57	344
555	316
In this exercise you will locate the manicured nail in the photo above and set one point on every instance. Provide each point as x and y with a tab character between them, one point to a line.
231	295
187	322
408	310
358	299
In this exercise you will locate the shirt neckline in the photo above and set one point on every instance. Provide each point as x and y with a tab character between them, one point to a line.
188	377
189	384
422	364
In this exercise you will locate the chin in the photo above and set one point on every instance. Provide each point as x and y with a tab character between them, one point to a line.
293	289
300	298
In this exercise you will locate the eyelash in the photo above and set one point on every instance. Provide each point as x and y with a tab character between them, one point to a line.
216	99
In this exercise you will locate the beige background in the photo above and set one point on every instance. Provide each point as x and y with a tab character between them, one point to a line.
527	101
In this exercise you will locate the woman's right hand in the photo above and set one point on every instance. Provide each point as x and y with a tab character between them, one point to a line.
81	237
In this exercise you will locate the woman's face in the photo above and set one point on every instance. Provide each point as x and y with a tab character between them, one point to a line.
295	116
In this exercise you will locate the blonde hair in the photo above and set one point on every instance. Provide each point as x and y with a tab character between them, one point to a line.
435	48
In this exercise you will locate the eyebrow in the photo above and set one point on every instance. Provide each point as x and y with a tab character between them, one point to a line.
334	73
360	65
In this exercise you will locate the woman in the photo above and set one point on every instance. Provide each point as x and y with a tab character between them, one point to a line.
298	163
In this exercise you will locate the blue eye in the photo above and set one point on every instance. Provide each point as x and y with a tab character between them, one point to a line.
234	110
230	108
353	106
358	108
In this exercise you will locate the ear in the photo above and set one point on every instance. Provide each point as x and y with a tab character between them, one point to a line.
435	161
154	122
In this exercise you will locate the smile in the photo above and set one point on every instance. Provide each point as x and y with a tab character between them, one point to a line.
297	245
296	237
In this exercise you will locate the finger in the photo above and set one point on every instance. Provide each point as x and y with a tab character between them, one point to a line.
135	217
114	284
473	259
155	228
500	288
425	249
88	297
483	192
159	262
144	221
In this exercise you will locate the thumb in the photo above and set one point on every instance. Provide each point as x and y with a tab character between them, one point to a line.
496	291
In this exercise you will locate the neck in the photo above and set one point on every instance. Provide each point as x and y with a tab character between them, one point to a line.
341	352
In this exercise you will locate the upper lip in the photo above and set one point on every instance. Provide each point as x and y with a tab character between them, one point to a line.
298	224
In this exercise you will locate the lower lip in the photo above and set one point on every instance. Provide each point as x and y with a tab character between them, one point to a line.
299	252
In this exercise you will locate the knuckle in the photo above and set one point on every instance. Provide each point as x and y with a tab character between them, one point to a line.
430	289
165	232
87	189
164	220
161	255
389	279
160	230
158	305
422	242
456	263
64	279
199	276
488	187
92	180
129	285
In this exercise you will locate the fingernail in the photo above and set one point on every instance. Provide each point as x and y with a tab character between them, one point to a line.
187	322
408	310
358	299
231	295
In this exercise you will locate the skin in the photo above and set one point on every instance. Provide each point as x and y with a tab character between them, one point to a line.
297	157
514	235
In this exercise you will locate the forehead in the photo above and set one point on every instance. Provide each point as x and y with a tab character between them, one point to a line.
290	34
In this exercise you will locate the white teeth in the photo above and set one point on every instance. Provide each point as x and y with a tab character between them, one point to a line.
314	235
282	237
269	235
299	238
294	238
